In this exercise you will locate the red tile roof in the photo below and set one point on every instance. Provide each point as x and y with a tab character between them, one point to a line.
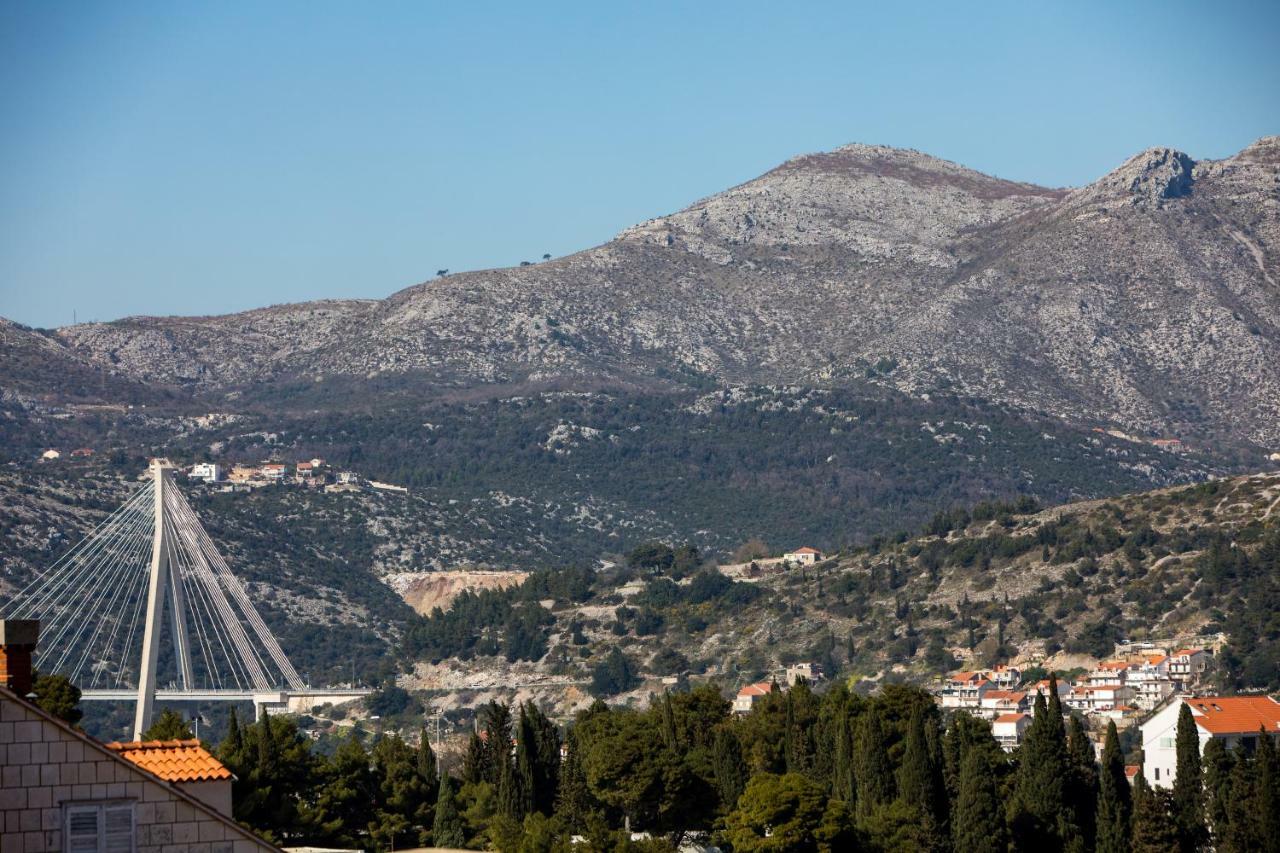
760	688
1225	715
1011	695
1132	770
806	550
1010	718
173	760
1188	652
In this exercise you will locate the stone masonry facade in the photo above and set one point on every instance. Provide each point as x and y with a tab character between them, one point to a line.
45	767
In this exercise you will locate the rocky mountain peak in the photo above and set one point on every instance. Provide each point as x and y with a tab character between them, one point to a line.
1265	151
1146	180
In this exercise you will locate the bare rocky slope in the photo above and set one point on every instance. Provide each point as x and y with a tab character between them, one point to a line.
1147	300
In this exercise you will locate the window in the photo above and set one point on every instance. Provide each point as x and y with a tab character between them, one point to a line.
99	827
1157	774
1167	743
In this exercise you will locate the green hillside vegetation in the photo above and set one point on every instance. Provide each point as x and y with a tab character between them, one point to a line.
1005	580
802	771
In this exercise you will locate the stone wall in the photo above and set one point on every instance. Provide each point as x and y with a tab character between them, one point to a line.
45	766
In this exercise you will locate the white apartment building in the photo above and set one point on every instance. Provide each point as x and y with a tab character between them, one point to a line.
1235	720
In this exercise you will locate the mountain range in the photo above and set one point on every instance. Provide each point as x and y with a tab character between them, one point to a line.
1147	301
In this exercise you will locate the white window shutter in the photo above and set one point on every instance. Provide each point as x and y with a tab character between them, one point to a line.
117	835
83	829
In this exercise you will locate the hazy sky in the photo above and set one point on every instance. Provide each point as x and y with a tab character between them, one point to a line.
184	157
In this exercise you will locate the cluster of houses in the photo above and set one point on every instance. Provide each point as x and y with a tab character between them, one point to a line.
1120	690
54	453
752	693
308	473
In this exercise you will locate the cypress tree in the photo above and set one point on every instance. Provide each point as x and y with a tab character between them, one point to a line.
1188	785
669	723
427	767
268	763
511	796
1114	798
446	831
573	799
475	761
728	768
526	764
1244	828
843	786
497	742
977	821
1267	786
1154	830
231	751
1041	817
1217	787
1082	783
872	769
917	779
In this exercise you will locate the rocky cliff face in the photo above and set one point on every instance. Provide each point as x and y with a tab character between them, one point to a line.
1146	300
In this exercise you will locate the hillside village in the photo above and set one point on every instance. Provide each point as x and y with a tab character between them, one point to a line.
312	473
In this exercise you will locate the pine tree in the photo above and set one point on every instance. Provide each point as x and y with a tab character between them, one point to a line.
977	821
728	768
348	793
1188	785
1154	830
1082	784
1218	763
446	831
872	769
169	725
1114	798
268	765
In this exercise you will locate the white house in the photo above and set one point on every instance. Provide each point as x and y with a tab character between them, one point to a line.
810	672
1008	730
1186	665
50	454
1004	676
749	695
1102	697
1235	720
965	690
273	470
805	556
207	471
1041	688
999	703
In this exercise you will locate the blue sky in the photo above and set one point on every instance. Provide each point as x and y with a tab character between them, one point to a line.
192	158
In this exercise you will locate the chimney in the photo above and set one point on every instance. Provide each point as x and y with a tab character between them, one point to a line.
17	644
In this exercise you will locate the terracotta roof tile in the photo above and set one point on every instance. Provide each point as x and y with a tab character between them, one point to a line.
1222	715
760	688
1010	718
173	760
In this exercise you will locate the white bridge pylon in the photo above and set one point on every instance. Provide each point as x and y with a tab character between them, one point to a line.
151	554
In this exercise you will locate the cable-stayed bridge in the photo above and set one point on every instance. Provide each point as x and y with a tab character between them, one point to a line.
103	605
